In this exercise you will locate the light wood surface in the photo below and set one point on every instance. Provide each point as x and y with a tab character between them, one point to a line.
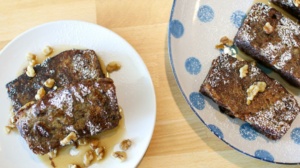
179	138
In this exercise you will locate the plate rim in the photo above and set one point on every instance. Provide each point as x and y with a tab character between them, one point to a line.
150	81
191	106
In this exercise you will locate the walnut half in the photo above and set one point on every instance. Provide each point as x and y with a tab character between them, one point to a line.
100	151
122	156
125	144
88	158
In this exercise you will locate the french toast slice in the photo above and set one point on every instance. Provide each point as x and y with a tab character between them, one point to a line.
83	109
70	66
269	37
271	111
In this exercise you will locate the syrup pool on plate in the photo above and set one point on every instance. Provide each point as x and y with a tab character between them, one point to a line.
108	139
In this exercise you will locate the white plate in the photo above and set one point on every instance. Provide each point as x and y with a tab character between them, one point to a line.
135	90
196	26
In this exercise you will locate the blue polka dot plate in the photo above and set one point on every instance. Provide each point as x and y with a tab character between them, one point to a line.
195	27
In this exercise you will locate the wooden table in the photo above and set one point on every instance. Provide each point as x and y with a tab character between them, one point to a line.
179	139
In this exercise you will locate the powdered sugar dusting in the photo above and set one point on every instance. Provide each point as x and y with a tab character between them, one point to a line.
276	120
271	51
220	74
62	100
216	76
285	57
287	2
94	129
276	48
80	66
254	71
246	34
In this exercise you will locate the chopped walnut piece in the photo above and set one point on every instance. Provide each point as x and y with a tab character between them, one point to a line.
100	151
125	144
88	158
122	156
12	126
268	28
254	89
32	62
31	57
7	129
25	106
94	143
113	66
53	153
30	71
83	141
296	3
13	119
226	41
47	50
243	71
68	139
220	46
49	83
40	93
73	166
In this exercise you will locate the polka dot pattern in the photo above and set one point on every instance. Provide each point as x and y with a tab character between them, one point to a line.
206	13
216	130
197	100
193	65
176	28
247	132
264	155
295	135
237	18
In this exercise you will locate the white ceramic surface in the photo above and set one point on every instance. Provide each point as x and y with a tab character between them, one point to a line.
196	26
135	90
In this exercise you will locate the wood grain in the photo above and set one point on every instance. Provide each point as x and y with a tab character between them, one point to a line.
179	139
